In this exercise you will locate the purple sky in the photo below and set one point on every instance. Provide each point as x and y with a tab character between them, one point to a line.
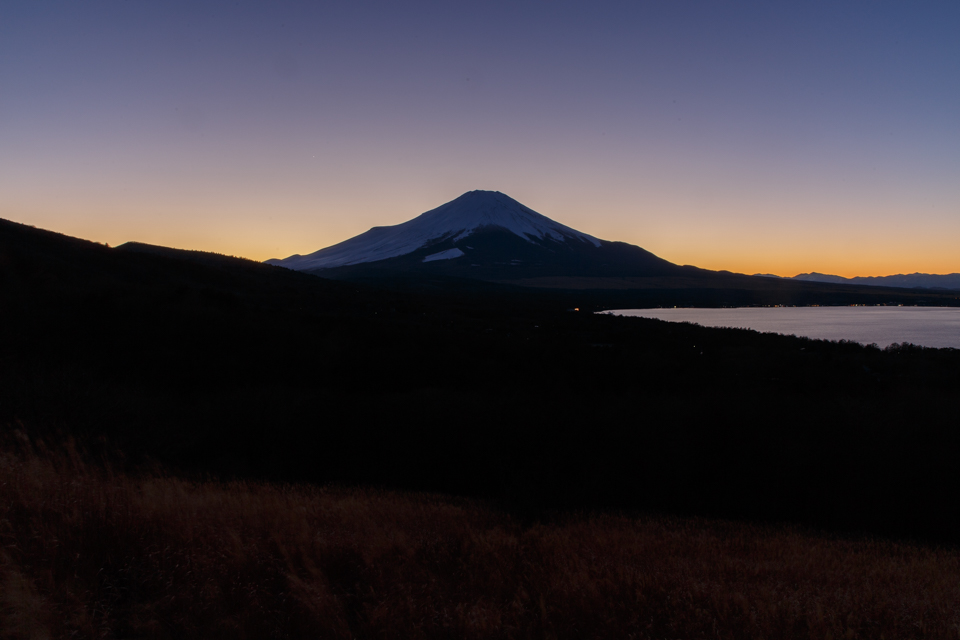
770	137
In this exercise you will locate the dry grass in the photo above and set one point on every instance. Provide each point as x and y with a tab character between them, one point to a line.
89	553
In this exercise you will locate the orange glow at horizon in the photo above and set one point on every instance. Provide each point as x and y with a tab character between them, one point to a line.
257	236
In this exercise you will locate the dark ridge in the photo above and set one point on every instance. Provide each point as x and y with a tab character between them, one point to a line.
204	257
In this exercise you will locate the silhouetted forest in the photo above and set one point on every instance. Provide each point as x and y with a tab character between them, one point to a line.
219	366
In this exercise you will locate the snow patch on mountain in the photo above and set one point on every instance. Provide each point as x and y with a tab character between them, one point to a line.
454	220
449	254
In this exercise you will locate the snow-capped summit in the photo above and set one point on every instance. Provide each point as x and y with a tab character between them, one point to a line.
482	235
455	220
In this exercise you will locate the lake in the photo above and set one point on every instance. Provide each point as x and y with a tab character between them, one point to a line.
926	326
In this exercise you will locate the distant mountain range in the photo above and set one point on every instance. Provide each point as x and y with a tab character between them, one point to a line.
904	281
484	235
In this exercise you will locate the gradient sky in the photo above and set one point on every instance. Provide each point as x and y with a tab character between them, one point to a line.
755	137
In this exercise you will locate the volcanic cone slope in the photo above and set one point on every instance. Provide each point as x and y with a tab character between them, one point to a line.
481	234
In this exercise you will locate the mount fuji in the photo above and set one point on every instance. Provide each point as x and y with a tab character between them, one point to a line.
485	235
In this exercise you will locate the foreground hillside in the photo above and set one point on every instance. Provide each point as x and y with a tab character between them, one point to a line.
220	366
89	552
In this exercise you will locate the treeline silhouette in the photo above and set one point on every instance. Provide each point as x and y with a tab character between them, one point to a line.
215	365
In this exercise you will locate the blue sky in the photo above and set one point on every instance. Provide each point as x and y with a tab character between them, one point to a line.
755	137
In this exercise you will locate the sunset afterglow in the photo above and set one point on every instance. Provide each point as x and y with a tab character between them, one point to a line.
753	138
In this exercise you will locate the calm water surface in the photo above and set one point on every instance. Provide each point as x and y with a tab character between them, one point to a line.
927	326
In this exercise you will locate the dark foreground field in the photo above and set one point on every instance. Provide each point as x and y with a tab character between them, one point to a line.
91	553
